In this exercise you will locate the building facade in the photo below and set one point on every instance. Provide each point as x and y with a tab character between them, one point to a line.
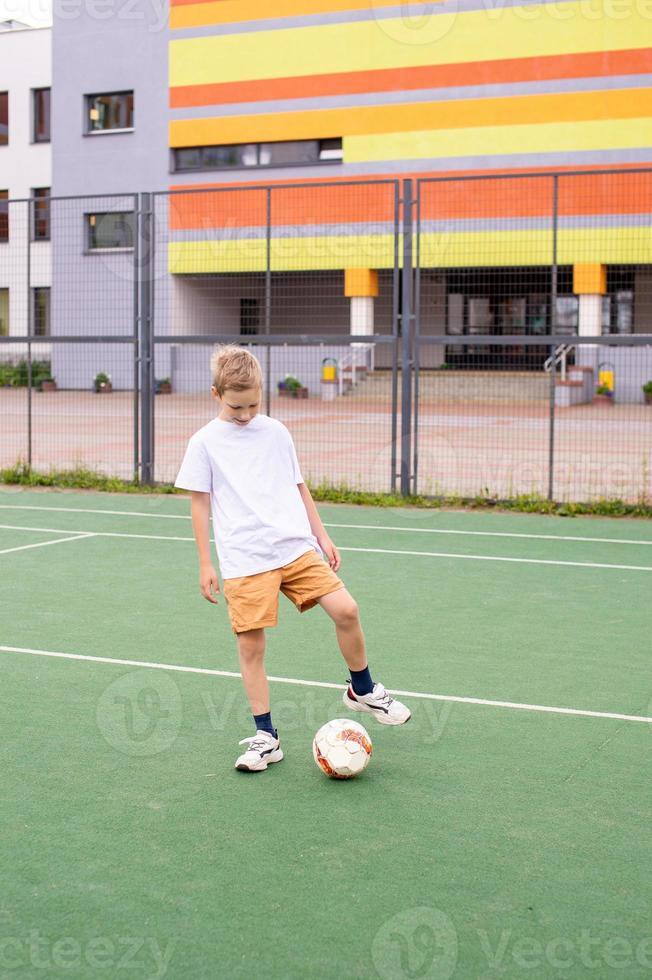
25	179
446	91
476	103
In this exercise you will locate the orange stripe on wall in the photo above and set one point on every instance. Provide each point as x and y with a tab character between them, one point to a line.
299	206
240	11
436	76
325	123
340	204
599	168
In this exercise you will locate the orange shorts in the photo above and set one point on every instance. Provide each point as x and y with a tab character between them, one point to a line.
253	599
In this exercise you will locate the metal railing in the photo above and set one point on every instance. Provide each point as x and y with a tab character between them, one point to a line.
559	357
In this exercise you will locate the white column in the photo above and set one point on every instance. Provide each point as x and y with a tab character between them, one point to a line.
362	314
590	315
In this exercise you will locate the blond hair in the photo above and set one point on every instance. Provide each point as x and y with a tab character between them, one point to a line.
236	368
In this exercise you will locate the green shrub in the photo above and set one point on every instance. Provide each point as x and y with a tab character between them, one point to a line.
41	371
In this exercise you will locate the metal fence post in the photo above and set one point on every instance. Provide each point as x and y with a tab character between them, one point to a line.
396	273
553	330
415	341
268	303
30	334
406	340
144	271
136	349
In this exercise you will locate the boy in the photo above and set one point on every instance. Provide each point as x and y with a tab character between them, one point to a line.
269	537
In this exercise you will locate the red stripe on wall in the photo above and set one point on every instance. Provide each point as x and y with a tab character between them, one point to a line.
506	70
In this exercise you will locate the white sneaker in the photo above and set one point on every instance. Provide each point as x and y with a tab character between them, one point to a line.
263	749
385	709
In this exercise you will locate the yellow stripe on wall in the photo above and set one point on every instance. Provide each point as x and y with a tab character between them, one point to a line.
624	104
287	254
498	249
511	248
604	134
549	29
239	11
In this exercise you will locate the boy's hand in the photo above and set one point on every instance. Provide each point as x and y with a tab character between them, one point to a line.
331	553
208	582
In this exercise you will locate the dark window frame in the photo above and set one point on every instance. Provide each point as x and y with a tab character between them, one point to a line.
4	216
205	151
249	316
88	106
93	249
5	332
45	136
36	292
4	98
40	213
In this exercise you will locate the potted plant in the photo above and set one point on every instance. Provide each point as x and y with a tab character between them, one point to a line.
102	383
292	388
163	386
48	384
647	392
603	395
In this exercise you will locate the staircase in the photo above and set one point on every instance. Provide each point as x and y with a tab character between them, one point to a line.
500	387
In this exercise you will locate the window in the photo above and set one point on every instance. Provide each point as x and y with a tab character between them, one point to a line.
114	229
110	113
249	317
41	214
624	311
286	154
41	311
618	312
568	314
4	312
4	118
41	115
4	216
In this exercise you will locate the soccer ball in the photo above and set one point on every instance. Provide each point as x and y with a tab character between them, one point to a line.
341	748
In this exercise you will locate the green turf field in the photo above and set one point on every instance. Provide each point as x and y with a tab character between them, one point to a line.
484	840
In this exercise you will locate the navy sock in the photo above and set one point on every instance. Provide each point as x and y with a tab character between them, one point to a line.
263	723
361	681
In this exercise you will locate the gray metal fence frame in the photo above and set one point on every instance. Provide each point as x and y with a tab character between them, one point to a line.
552	341
413	345
405	339
401	311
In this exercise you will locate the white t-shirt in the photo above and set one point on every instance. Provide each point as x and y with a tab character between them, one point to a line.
251	472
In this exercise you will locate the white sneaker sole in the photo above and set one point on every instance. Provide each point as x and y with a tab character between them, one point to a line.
260	766
380	716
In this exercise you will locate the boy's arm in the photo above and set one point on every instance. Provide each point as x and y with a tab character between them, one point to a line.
317	528
200	508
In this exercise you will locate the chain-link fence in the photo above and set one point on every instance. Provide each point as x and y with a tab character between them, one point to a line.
445	336
265	266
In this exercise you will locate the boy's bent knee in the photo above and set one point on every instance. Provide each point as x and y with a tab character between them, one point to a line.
348	613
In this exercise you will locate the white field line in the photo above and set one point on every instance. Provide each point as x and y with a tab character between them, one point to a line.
491	534
522	561
96	534
364	527
514	705
368	551
88	510
44	544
